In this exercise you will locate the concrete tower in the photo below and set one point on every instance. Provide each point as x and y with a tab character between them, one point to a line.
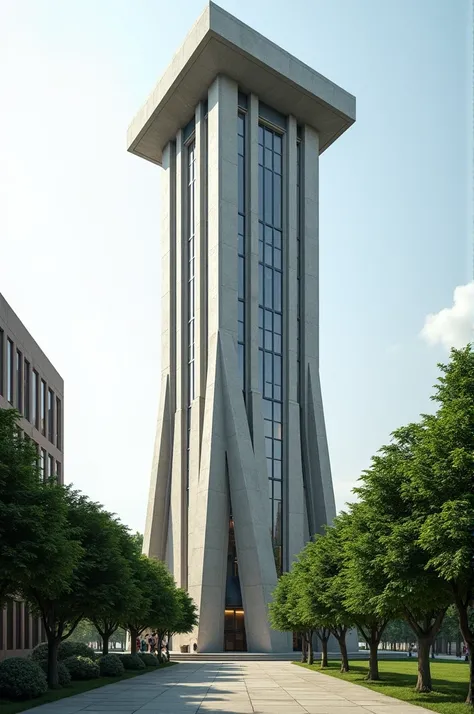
241	474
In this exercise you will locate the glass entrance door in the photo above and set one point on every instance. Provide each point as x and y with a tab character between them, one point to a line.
234	631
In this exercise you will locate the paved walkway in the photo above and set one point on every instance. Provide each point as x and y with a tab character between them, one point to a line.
230	688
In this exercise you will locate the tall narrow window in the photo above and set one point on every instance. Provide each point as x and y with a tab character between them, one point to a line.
19	381
26	389
59	424
34	399
58	471
270	320
43	464
10	370
43	406
2	345
191	231
241	247
50	466
50	415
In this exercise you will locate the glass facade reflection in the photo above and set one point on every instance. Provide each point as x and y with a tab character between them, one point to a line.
270	319
241	247
191	231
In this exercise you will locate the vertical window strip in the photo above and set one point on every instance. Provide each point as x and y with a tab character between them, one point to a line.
298	269
270	320
9	370
241	246
191	231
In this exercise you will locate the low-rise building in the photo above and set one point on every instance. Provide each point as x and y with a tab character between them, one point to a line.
30	384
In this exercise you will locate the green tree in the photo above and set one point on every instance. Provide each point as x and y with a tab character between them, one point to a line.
86	632
397	631
330	582
32	517
310	606
186	616
164	605
284	613
90	533
443	483
365	579
122	591
412	588
155	605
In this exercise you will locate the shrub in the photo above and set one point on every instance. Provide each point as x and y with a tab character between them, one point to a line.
148	659
111	666
21	679
132	661
64	678
40	652
82	667
68	648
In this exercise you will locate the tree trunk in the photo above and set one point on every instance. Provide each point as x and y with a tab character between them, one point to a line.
105	644
324	652
133	640
470	691
373	674
423	683
462	608
53	645
303	649
344	658
310	648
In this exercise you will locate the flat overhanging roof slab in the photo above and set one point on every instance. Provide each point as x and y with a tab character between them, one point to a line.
218	43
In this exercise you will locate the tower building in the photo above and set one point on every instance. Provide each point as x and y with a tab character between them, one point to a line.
241	475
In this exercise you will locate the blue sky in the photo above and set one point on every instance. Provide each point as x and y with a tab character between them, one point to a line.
79	217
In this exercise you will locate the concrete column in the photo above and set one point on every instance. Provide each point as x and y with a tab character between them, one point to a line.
320	495
222	207
200	320
293	522
156	526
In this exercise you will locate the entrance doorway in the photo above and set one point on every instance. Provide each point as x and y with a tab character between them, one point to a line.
234	631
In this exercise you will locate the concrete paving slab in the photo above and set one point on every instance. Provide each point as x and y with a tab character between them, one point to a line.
230	688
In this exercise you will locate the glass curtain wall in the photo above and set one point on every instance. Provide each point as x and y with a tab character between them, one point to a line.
270	319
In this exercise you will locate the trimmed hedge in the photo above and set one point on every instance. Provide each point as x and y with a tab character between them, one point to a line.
64	678
148	659
132	661
82	668
21	679
111	666
68	648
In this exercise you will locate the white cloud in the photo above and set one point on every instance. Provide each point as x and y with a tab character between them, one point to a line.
453	326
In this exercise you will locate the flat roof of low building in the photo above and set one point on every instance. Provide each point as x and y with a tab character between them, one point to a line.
219	43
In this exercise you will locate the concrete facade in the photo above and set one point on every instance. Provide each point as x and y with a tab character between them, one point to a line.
30	384
241	474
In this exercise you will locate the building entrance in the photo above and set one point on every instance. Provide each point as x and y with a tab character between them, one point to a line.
234	631
234	619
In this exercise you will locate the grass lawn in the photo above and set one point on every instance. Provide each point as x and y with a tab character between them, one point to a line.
7	707
450	682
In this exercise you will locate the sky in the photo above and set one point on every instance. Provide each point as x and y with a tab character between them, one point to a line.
79	217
